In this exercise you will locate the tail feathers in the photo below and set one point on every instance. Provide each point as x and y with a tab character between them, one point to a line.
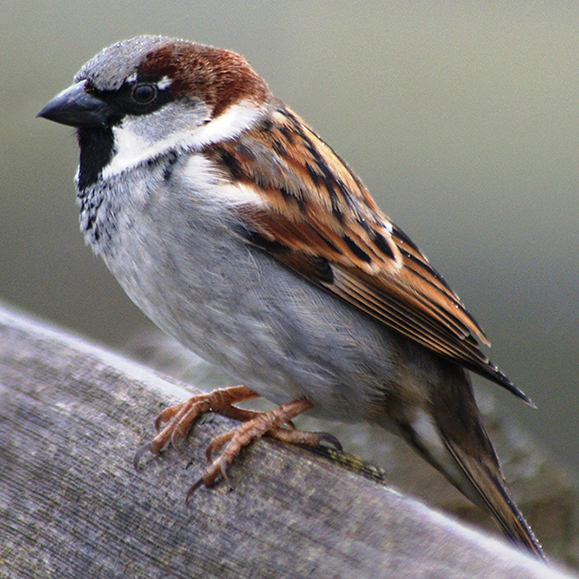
486	482
470	463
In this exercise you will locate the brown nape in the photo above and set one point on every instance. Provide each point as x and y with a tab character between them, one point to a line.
218	77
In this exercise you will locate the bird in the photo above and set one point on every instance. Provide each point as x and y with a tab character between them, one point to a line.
237	230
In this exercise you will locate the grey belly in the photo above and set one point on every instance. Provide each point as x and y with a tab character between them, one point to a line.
265	325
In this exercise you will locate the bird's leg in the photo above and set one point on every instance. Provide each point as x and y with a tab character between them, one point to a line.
181	416
263	423
276	424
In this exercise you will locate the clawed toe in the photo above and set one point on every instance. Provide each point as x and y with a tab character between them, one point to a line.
210	476
180	417
139	454
217	443
276	423
167	414
330	439
272	424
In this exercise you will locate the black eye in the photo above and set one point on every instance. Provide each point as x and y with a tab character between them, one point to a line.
144	93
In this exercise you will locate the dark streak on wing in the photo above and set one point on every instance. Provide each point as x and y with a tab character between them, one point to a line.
383	245
325	226
356	249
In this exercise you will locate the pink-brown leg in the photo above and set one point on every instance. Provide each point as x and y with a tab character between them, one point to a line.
263	423
281	433
181	416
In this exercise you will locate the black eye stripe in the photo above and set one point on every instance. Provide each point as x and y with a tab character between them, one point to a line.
136	97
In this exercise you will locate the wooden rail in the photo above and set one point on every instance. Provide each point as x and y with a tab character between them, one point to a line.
72	415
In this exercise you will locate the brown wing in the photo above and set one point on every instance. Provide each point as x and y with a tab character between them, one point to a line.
313	214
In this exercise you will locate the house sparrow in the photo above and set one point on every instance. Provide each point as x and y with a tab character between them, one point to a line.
239	232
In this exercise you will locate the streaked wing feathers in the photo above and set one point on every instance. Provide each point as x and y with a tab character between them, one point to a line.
313	214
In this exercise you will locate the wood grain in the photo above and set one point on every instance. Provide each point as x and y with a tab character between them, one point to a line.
73	414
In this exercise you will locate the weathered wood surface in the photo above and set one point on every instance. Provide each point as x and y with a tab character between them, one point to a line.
71	417
546	492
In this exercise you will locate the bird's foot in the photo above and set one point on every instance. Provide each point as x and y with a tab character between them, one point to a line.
275	423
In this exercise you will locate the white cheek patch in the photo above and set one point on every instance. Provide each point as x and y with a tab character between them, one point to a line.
131	149
140	139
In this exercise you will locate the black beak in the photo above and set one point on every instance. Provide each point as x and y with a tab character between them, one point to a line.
76	107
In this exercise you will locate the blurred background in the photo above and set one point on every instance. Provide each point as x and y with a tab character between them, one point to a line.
461	117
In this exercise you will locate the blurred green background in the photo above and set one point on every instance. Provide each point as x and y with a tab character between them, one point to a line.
461	117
